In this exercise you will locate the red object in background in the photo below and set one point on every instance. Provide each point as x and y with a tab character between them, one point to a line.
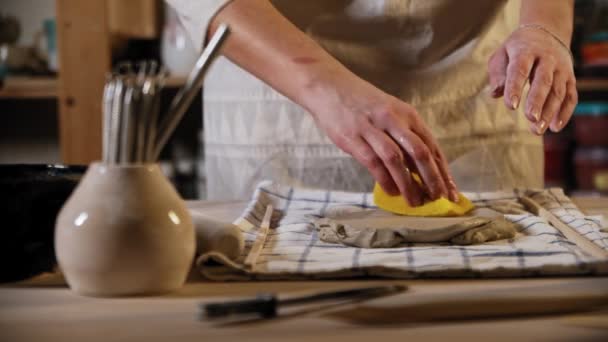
556	159
595	53
591	124
591	135
595	48
591	166
591	130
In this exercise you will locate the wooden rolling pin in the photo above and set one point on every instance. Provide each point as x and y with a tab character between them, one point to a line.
217	236
570	233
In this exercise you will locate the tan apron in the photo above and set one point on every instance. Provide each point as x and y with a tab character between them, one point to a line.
432	54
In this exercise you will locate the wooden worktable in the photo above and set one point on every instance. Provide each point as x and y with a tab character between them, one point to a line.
43	309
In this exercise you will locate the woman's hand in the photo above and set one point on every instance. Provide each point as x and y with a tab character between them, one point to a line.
384	134
535	55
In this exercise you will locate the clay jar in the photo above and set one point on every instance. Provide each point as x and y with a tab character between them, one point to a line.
124	231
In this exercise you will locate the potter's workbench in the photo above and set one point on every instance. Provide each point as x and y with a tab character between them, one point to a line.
43	309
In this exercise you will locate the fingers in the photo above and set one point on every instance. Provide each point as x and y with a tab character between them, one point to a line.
402	124
553	104
518	71
567	108
393	159
424	160
445	172
548	67
440	160
367	156
540	87
497	71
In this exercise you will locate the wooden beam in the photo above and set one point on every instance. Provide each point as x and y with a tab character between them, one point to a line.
25	87
84	59
135	18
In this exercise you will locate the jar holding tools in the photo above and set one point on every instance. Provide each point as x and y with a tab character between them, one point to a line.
125	230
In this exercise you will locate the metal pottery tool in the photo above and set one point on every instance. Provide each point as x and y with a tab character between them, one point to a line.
582	242
132	132
114	121
267	305
108	99
126	112
186	94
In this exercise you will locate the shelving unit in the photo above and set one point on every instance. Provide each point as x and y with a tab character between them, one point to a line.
175	82
46	87
590	84
87	33
29	88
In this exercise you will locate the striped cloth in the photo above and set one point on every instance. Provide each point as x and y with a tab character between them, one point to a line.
293	249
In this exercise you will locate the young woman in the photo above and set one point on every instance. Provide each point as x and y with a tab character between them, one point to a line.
337	93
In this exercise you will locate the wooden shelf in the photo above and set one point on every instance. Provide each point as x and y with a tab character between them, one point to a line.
175	82
46	87
592	84
29	88
135	18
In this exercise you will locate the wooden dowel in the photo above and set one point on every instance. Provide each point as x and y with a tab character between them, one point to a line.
570	233
260	240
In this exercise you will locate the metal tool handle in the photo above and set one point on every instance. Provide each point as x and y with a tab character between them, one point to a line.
108	98
264	305
186	94
115	129
128	124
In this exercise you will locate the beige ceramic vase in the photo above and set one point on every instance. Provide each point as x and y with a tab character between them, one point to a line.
124	231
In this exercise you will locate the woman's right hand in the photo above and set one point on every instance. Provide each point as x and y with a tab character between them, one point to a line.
384	134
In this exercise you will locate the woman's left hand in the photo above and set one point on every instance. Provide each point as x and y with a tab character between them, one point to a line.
534	55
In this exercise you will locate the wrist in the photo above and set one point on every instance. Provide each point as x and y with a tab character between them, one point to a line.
564	44
320	86
562	35
555	16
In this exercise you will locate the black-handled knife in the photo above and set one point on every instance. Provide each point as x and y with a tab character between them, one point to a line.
266	305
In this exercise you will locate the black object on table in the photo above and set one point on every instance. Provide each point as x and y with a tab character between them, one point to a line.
266	305
30	199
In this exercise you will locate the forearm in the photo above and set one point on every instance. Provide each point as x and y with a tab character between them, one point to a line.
554	15
269	46
377	129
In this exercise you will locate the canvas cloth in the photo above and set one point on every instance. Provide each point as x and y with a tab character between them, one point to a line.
293	249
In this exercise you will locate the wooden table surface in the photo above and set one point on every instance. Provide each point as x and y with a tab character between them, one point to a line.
43	309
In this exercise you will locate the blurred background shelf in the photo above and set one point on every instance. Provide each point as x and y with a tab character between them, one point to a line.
93	36
175	81
29	88
46	87
592	84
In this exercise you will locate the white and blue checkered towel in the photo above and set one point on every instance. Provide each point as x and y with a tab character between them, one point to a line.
293	249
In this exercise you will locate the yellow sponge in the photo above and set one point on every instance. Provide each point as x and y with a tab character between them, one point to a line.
441	207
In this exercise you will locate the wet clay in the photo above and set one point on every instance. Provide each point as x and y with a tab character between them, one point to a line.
378	229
